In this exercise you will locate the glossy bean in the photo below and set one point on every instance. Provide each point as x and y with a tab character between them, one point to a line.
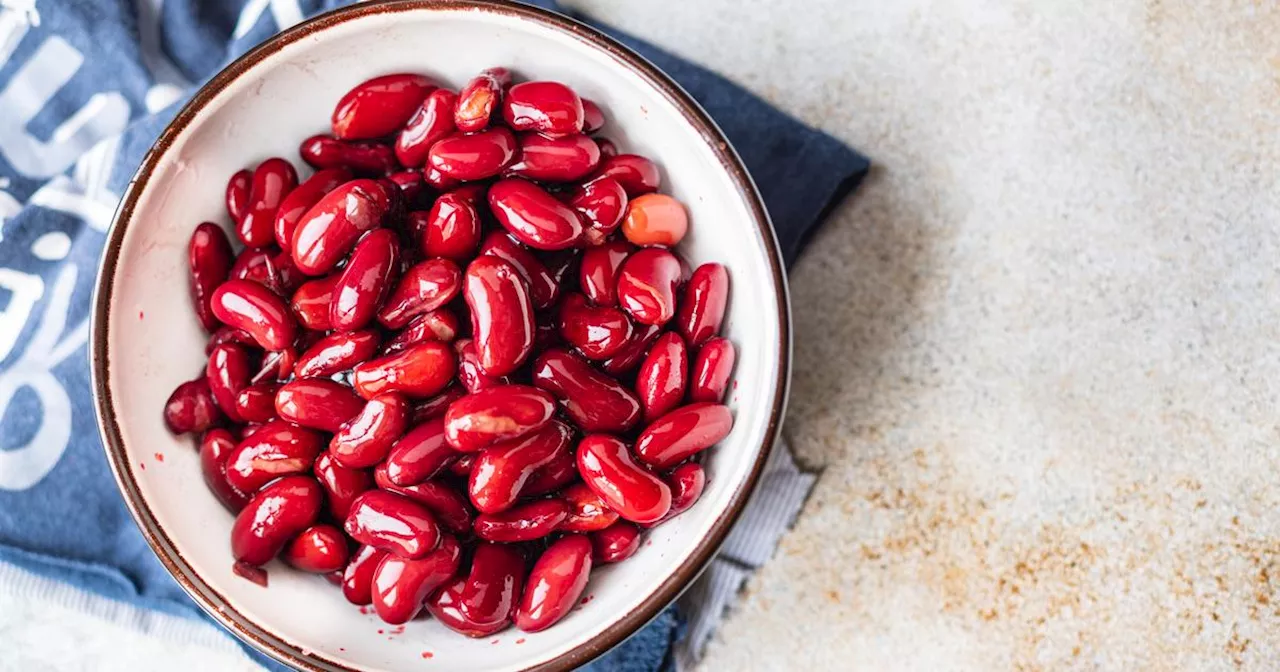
450	507
525	522
336	353
311	301
655	219
479	98
191	408
564	159
703	304
452	228
607	148
496	414
598	332
592	116
237	194
476	156
663	376
711	371
436	406
533	216
636	174
556	582
379	106
216	448
438	180
446	606
493	586
317	403
341	484
588	511
615	543
559	472
501	314
319	549
369	159
425	287
256	310
364	440
608	469
412	185
272	181
595	402
545	107
647	284
209	260
402	585
268	267
437	325
419	371
598	275
228	371
543	288
683	433
633	353
470	374
601	203
365	281
328	231
276	449
687	482
274	516
257	403
357	578
300	200
420	454
393	523
226	334
501	470
431	122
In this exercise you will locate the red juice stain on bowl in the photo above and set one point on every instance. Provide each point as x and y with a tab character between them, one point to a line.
428	654
140	315
159	457
520	641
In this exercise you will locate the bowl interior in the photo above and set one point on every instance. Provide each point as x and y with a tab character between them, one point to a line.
153	342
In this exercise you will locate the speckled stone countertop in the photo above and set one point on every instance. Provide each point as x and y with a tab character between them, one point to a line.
1037	356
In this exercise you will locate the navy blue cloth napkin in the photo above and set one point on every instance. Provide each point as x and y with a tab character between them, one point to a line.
85	88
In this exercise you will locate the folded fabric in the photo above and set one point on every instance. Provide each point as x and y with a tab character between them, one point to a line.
86	87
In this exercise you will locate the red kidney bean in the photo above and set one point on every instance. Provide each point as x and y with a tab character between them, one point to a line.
546	107
478	99
330	228
525	522
401	586
317	403
379	106
226	334
341	484
419	371
663	376
702	309
410	183
559	472
357	578
215	449
599	272
272	182
615	543
587	510
596	402
501	470
319	549
446	606
437	405
631	354
711	371
472	377
533	216
237	195
655	219
364	440
449	506
191	408
372	159
683	433
425	287
336	353
647	285
311	301
365	281
274	516
438	325
496	414
462	467
501	314
558	578
228	371
258	311
600	203
209	258
438	180
476	156
420	455
393	523
609	470
268	267
636	174
555	159
687	482
300	200
598	332
277	449
607	148
592	116
492	588
543	288
257	402
431	122
452	228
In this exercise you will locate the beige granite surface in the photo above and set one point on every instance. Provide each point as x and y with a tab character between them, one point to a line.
1037	355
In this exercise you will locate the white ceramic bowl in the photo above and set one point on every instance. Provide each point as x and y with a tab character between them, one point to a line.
146	339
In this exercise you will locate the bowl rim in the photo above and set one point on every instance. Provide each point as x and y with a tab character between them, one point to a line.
213	603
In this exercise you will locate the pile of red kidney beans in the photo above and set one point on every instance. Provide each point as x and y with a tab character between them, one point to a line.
460	364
